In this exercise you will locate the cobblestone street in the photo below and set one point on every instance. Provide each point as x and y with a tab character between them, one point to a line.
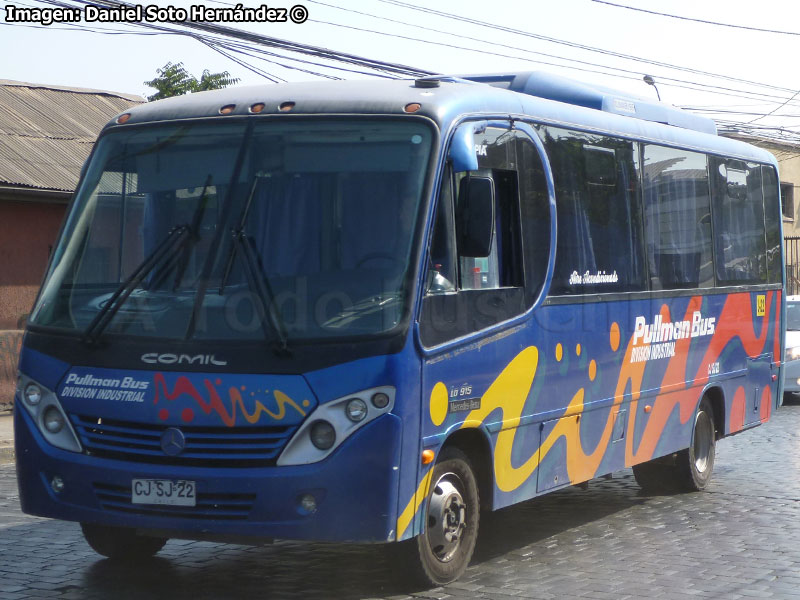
739	539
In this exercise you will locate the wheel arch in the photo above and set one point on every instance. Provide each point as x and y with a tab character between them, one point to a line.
474	443
716	398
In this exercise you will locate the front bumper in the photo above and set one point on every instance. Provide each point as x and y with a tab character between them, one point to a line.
355	488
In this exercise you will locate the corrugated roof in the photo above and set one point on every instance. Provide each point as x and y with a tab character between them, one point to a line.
46	132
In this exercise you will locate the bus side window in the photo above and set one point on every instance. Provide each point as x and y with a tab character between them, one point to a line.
773	217
738	212
599	243
677	218
502	267
442	271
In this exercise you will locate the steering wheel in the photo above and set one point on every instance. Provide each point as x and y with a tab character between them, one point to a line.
379	256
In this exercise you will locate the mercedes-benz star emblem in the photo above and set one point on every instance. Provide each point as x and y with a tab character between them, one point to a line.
173	441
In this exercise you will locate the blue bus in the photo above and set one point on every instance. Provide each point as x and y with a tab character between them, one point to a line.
366	311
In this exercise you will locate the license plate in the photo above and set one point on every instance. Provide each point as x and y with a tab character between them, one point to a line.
163	491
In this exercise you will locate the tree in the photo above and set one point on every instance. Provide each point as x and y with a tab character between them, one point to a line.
174	80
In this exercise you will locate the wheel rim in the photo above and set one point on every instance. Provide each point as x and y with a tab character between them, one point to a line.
447	517
703	441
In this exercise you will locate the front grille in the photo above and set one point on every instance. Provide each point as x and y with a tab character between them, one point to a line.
205	446
209	506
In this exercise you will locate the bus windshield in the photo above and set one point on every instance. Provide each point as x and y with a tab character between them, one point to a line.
200	230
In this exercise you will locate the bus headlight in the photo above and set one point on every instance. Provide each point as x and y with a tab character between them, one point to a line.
53	420
356	410
331	423
45	410
32	394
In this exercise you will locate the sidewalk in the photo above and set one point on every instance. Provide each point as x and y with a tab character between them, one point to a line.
6	437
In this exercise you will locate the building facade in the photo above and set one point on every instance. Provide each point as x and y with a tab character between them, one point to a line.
46	133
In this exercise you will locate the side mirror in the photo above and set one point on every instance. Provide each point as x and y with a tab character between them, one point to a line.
475	216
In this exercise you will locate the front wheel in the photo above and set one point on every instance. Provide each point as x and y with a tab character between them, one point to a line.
120	542
442	553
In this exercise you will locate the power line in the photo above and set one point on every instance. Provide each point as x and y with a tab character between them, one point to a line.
229	33
634	75
775	109
577	45
240	47
387	67
749	94
685	84
249	67
219	38
704	21
81	28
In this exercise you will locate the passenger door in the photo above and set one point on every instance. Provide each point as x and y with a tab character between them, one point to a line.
469	293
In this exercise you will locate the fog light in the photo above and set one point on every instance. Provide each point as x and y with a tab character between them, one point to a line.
53	419
308	504
798	381
57	484
356	410
33	394
323	435
380	400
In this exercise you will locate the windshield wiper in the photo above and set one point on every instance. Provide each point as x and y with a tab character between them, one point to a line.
175	239
239	228
259	283
194	230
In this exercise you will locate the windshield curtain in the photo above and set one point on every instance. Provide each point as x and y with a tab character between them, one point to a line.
235	230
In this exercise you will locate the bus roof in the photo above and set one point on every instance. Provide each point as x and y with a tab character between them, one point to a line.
578	93
541	97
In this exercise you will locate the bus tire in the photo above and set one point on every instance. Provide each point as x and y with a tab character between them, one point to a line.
120	542
442	552
688	470
696	463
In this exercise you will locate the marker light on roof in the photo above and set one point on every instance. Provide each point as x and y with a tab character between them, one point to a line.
286	106
412	107
227	109
257	108
122	119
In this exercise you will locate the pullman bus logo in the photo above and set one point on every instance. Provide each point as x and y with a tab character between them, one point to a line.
657	340
154	358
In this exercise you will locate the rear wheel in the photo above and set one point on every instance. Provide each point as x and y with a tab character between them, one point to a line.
696	463
687	470
120	542
442	553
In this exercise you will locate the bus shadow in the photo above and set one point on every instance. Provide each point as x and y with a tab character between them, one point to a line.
227	572
204	570
197	570
525	524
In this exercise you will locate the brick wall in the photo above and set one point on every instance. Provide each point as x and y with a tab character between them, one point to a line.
27	232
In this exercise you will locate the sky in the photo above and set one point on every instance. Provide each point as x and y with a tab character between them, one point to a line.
70	55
